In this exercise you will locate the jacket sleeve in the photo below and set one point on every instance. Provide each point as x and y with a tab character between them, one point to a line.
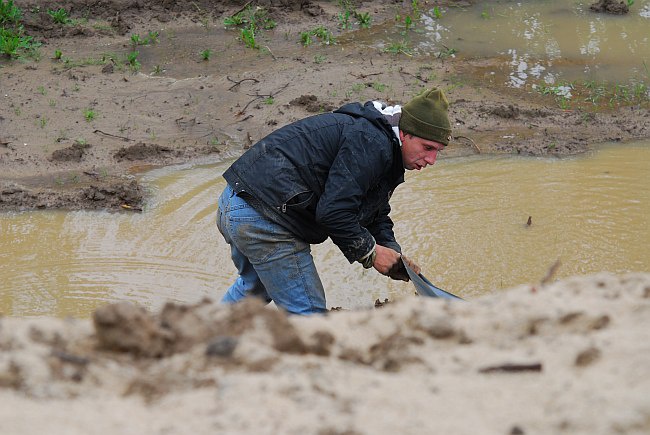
382	230
362	158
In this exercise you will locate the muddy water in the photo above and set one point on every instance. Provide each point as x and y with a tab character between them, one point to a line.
538	42
464	221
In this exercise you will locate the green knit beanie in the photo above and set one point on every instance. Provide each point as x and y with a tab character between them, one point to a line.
426	116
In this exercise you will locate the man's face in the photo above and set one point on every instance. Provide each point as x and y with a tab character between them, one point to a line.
418	153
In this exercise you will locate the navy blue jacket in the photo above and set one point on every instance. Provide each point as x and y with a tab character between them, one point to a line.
329	175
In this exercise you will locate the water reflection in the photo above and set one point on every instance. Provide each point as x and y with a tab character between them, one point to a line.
464	221
551	41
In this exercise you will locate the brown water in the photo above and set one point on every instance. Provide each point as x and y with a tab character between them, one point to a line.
463	220
541	42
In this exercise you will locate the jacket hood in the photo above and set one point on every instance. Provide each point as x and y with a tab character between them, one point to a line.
369	112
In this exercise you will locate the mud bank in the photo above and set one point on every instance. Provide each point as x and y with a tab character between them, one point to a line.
75	131
572	357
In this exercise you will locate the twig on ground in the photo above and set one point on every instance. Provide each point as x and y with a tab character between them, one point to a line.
258	96
469	139
270	52
125	139
401	71
363	76
242	8
237	83
510	368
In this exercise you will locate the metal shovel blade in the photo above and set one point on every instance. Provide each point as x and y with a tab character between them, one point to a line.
425	288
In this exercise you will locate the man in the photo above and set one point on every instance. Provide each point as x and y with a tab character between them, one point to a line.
329	175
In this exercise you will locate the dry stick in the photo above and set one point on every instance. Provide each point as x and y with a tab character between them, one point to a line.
363	76
469	139
125	139
257	97
237	83
270	52
512	367
401	71
244	7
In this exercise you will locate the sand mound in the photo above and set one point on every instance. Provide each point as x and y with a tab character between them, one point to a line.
572	357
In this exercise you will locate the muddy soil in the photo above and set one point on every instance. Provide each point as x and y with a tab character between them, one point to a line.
75	131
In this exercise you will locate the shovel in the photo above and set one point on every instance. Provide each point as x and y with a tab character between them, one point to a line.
424	286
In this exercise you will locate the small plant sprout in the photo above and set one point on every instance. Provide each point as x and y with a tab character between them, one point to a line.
252	20
58	54
379	87
415	7
157	70
319	58
305	38
41	90
89	115
399	47
153	37
630	3
52	102
364	19
132	60
408	23
320	32
247	35
59	16
344	20
136	40
269	100
205	54
437	13
43	122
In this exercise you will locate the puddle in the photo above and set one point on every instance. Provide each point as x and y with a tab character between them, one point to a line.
464	221
539	42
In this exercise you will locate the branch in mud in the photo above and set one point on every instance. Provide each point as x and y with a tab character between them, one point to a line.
237	83
242	8
512	368
258	96
125	139
401	71
469	139
363	76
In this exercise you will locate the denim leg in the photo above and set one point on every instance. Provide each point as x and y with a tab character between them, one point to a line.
247	282
271	261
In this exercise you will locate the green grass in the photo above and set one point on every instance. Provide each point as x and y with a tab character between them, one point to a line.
14	43
251	21
59	16
89	115
321	33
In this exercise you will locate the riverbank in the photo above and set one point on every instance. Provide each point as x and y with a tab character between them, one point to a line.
572	357
79	123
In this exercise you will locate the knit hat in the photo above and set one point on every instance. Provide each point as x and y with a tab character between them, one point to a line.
426	116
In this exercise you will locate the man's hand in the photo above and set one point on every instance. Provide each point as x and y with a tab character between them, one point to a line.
385	260
391	264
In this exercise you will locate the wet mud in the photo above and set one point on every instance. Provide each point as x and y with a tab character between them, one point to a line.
71	132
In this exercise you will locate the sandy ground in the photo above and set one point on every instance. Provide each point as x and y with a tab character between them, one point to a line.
568	358
178	108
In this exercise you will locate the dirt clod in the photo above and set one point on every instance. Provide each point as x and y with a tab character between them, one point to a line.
142	151
73	153
610	7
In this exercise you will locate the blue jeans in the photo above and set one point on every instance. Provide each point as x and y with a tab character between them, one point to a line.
273	264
